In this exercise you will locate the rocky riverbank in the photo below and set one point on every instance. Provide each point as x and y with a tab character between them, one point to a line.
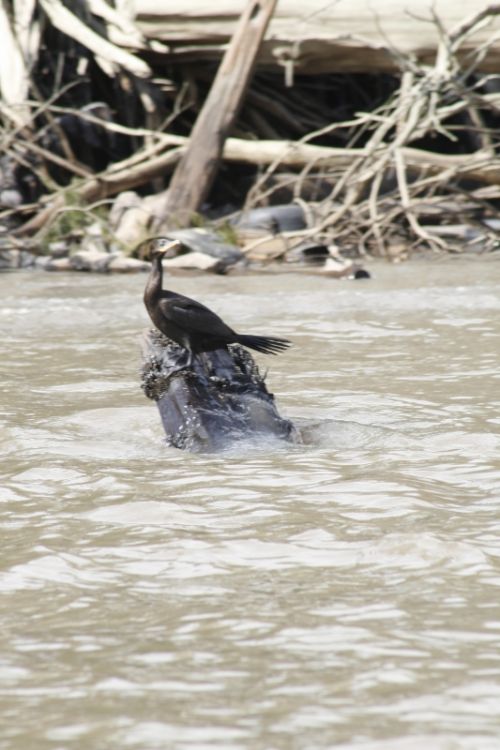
274	237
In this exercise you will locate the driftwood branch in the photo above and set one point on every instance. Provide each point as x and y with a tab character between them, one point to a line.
423	106
194	176
108	55
104	186
19	37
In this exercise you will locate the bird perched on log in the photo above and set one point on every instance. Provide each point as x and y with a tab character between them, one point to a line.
189	323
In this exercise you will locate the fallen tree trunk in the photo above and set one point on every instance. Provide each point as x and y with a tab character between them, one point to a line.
478	166
221	400
339	36
296	155
196	171
109	56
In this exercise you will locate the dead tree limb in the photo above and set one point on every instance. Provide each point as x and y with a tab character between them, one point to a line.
104	186
195	174
478	167
109	56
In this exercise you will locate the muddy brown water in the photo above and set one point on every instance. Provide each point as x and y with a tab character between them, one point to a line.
344	593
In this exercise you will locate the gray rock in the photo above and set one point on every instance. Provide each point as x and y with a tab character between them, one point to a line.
272	219
58	249
311	253
337	269
8	259
43	261
493	224
93	239
133	226
196	261
123	264
59	264
10	198
26	259
209	243
122	203
16	258
90	260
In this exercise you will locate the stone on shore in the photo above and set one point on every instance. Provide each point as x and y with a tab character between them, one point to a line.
196	261
124	264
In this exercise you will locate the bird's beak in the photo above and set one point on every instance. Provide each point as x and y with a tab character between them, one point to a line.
165	248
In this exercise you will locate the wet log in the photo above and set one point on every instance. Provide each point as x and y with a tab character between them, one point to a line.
220	400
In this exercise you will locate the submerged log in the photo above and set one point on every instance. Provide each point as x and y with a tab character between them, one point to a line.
221	399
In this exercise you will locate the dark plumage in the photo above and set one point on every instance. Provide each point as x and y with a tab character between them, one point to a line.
191	324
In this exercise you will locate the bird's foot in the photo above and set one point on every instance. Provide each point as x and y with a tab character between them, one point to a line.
186	365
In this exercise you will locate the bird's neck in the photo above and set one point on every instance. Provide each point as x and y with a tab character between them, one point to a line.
154	282
157	272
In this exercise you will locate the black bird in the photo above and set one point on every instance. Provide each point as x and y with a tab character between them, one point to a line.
189	323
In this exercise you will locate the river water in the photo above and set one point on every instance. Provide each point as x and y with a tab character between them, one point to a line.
343	593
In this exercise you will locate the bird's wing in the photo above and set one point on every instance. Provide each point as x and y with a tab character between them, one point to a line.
193	316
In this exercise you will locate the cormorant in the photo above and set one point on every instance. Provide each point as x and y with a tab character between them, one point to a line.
189	323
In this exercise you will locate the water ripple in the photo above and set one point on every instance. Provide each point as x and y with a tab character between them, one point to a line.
338	593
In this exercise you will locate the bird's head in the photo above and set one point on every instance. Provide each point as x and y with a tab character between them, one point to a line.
159	246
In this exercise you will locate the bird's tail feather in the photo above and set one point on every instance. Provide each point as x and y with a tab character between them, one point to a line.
264	344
